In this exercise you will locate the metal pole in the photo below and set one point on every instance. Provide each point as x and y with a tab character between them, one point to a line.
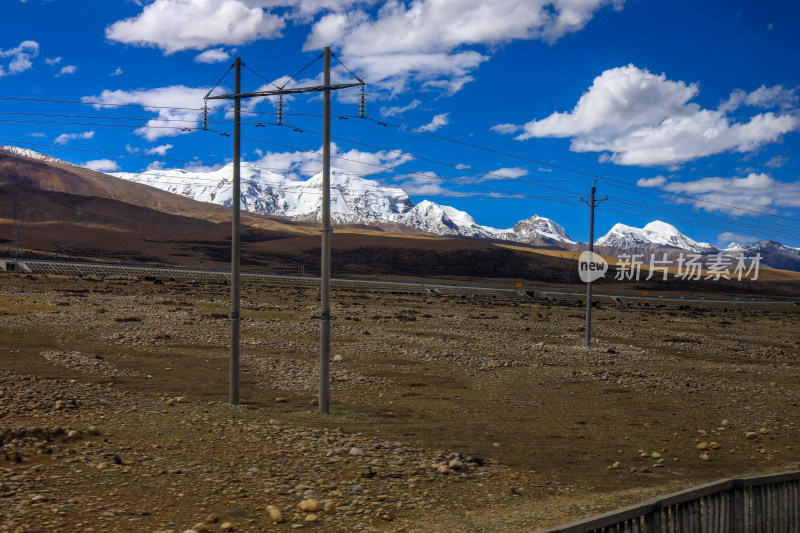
588	340
325	277
233	392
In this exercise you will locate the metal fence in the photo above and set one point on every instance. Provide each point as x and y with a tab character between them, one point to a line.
755	504
221	276
436	288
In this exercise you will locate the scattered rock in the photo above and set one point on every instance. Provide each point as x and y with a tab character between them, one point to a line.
310	506
275	514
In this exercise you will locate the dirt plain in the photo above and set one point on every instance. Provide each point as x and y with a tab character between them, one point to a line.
448	414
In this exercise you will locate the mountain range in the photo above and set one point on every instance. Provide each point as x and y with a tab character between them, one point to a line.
656	234
356	200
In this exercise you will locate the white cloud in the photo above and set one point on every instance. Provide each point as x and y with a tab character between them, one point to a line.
425	183
303	164
756	191
428	40
64	138
117	72
422	26
155	165
38	135
511	173
777	161
656	181
501	174
175	25
101	165
645	119
727	237
437	122
763	97
20	57
53	61
189	99
506	129
393	73
69	69
214	55
159	150
394	111
304	10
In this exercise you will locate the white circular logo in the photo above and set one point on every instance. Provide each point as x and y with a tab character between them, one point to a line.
591	266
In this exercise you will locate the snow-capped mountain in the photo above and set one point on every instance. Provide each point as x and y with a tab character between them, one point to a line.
772	253
656	234
16	151
354	200
541	228
442	220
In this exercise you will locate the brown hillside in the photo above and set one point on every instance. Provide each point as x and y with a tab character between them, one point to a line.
84	182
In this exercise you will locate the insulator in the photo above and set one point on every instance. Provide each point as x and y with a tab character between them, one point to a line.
280	111
205	115
362	104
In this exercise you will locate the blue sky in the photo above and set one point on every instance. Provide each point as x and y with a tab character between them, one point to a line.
684	111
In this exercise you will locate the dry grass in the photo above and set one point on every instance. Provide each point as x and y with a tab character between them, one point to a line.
458	374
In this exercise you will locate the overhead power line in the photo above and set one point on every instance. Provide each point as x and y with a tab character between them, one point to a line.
605	179
575	171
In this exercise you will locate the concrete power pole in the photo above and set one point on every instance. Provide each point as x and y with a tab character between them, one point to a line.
325	265
233	387
592	204
325	278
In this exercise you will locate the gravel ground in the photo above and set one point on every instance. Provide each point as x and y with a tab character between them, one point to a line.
449	414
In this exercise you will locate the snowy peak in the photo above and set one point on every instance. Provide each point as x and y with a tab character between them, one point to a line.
354	200
764	246
442	220
540	227
16	151
656	234
772	253
661	228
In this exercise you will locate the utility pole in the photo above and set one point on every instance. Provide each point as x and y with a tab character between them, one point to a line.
233	382
325	265
592	203
325	278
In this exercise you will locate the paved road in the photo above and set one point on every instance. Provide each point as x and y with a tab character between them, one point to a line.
219	276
